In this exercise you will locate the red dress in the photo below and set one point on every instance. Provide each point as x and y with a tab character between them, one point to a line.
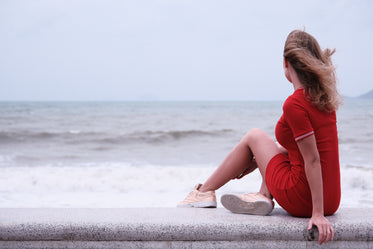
285	175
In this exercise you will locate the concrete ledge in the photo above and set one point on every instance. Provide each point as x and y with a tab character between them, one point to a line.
175	228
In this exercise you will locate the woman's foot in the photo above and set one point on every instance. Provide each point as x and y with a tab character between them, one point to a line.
253	203
199	199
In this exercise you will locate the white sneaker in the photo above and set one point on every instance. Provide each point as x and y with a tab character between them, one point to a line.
199	199
253	203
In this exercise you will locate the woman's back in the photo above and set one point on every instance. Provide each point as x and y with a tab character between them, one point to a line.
302	119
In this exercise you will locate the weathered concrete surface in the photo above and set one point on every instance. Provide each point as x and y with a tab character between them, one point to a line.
175	228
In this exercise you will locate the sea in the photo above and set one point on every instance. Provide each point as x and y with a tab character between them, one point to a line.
150	154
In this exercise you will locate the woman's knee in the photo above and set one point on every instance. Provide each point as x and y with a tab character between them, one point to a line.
253	135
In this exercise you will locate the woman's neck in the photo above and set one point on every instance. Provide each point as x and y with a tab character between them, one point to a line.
295	80
297	85
292	76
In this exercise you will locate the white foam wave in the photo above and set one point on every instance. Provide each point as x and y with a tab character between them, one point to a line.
107	185
6	159
357	186
120	185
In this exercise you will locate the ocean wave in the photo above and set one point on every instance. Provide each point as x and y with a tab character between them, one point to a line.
22	136
364	139
164	136
77	136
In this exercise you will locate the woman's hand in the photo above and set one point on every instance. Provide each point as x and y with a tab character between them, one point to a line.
326	230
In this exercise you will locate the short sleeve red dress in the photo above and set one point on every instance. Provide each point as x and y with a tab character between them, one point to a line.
285	175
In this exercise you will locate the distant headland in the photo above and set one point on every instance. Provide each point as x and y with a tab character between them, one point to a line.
368	95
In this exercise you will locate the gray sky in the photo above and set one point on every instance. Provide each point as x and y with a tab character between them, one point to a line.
172	50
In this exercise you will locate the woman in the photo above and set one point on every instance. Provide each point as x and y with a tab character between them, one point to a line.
301	171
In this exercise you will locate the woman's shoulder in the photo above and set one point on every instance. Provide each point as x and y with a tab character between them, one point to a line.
296	100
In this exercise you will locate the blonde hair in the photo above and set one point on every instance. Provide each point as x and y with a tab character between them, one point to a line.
314	68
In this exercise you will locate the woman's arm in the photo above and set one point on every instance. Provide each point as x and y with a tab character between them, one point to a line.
310	154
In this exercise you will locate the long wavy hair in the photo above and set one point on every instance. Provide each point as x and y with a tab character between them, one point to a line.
314	68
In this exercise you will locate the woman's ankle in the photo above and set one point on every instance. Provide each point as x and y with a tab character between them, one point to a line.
203	188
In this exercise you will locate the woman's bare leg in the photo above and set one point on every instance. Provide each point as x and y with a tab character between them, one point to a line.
236	162
256	142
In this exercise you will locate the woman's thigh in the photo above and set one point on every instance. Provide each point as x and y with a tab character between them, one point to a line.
263	148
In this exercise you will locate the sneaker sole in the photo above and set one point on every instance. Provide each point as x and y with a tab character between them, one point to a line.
204	204
236	205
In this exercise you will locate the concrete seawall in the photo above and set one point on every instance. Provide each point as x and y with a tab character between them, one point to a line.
175	228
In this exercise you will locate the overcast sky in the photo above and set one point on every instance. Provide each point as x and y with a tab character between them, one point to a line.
173	50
